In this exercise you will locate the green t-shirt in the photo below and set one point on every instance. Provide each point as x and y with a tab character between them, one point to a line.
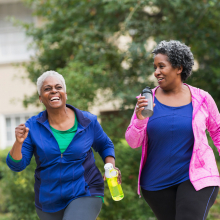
65	137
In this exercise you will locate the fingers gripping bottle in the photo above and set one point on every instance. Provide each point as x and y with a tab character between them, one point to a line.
111	176
148	110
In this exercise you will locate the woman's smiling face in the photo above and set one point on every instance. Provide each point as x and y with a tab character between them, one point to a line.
166	75
53	94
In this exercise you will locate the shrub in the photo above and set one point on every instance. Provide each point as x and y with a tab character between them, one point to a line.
18	188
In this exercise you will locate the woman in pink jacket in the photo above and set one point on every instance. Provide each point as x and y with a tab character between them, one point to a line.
178	174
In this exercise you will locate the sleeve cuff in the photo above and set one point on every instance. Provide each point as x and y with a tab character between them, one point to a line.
16	161
140	123
107	153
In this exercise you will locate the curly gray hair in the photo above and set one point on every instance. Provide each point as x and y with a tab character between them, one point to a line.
178	55
46	74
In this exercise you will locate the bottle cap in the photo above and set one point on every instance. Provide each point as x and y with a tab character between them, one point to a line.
110	171
146	89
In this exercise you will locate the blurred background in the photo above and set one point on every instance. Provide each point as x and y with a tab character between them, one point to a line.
103	50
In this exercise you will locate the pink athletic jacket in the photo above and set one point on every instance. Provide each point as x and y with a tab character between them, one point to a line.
203	170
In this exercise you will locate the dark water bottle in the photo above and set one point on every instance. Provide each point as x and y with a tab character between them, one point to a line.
148	110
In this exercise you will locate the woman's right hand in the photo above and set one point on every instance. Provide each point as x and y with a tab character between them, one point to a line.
21	133
141	103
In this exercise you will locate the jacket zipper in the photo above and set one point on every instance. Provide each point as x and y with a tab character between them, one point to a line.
60	176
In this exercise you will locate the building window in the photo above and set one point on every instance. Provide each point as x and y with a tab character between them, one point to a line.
13	42
12	122
17	121
8	129
26	118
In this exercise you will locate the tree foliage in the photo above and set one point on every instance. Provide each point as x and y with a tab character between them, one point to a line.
17	190
78	39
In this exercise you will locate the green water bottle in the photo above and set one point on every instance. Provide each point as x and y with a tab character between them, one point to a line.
111	175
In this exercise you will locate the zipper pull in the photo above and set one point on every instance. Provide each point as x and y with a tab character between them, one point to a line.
61	155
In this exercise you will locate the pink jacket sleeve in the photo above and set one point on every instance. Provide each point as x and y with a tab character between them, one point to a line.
213	122
136	131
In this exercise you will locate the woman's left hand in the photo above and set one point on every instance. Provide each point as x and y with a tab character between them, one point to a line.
119	176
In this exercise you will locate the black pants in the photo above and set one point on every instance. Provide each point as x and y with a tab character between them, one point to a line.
83	208
181	202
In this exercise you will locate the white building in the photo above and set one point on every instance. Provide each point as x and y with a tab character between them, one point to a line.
13	50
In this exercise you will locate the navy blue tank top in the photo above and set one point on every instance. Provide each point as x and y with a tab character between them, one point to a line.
170	146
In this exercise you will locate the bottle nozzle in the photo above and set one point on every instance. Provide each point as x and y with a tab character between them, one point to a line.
110	171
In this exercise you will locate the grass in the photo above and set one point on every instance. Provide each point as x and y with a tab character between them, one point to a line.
6	216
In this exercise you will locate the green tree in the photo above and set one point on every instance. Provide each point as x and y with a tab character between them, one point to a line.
77	39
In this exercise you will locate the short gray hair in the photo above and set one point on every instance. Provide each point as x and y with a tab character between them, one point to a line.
46	74
178	55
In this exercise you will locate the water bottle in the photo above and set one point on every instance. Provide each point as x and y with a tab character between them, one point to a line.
148	110
111	176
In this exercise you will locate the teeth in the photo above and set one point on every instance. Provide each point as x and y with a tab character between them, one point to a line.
55	98
159	79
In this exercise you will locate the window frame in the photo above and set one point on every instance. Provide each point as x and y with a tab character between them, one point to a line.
11	129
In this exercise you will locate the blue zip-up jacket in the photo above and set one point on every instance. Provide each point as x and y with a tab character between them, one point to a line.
61	178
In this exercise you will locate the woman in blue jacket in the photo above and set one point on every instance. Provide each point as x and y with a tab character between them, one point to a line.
68	185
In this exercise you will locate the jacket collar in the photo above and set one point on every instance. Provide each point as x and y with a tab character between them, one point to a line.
82	120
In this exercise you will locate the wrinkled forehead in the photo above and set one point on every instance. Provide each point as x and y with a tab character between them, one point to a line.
51	81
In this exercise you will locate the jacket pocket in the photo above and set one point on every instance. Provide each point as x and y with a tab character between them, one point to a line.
206	160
